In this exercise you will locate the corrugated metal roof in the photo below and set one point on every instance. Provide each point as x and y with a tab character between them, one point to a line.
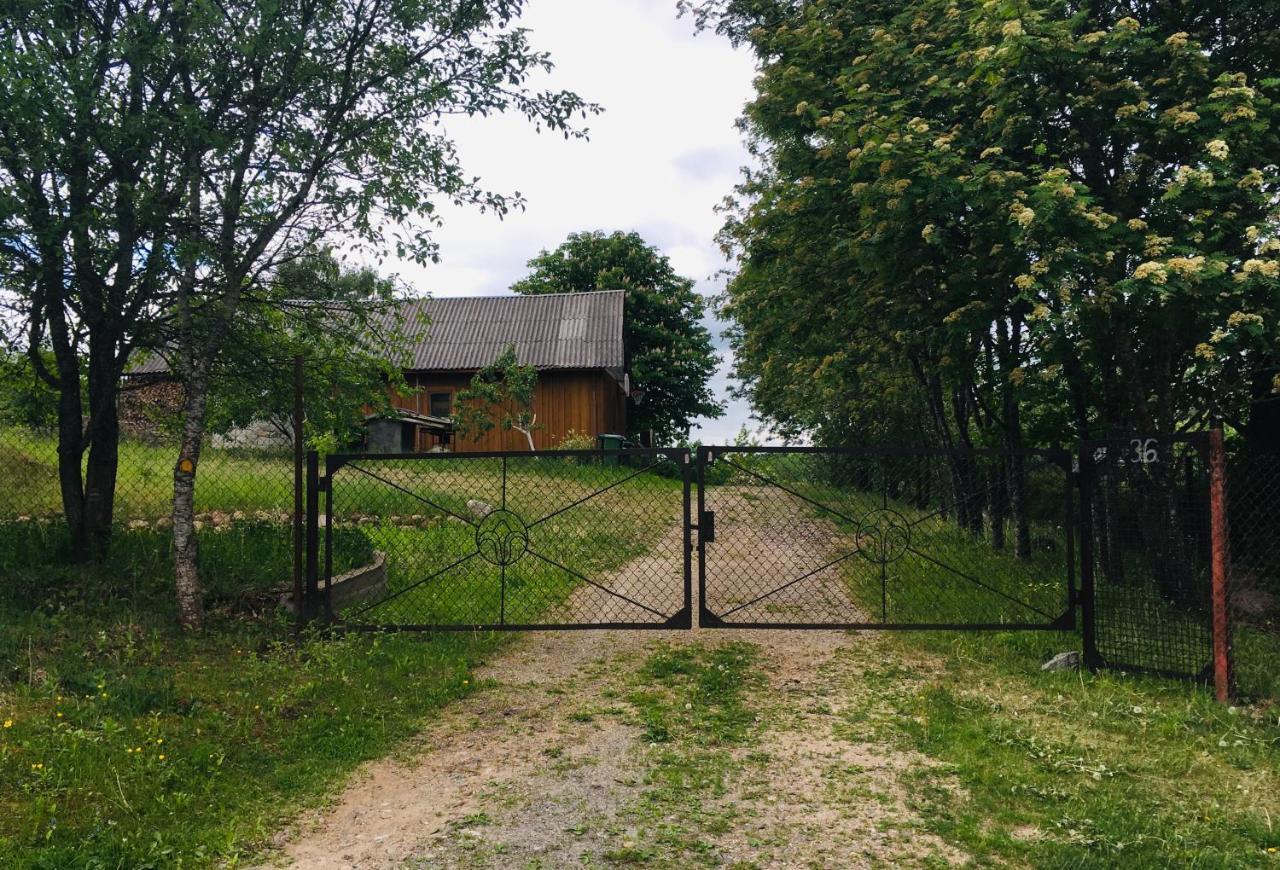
550	331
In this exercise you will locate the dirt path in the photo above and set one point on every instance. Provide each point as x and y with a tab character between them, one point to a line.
548	765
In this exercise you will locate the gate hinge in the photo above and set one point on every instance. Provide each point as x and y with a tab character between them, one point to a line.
706	526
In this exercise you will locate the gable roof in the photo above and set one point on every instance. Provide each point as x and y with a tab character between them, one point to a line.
464	333
550	331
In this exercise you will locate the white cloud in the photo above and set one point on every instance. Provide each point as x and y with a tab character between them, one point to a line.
659	160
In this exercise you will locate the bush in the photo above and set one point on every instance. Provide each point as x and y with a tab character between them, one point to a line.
575	440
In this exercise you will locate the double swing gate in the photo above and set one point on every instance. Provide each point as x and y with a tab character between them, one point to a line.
727	537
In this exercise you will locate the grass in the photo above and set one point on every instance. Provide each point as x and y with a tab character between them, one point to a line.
1073	770
228	480
1007	764
128	744
693	703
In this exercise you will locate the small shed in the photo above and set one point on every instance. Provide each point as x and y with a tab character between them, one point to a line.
400	431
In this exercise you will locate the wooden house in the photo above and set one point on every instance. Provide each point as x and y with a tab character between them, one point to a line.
574	340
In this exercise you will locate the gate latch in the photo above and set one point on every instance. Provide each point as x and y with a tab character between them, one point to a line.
707	526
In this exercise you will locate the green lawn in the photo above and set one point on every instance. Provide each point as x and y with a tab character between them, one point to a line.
228	480
1007	765
1074	770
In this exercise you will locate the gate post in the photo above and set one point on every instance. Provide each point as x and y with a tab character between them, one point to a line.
686	468
1221	555
1088	615
299	521
313	535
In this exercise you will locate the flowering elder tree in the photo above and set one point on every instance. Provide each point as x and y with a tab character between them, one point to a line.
1042	215
1153	235
1101	188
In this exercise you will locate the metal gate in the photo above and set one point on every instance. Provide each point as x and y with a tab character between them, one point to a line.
557	539
808	537
790	537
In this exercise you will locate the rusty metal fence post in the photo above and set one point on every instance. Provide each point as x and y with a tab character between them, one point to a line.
1221	556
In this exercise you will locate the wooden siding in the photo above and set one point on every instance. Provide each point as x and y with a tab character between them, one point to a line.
586	402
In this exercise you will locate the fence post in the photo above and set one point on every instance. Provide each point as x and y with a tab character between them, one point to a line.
1221	555
1088	616
299	556
313	533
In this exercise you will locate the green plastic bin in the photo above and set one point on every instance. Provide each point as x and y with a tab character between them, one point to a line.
610	443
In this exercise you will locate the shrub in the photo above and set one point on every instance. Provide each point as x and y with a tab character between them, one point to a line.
575	440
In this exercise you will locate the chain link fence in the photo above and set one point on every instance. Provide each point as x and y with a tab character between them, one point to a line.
1253	518
1147	555
1148	559
1145	548
244	498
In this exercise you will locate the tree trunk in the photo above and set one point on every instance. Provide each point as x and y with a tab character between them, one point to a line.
70	472
88	486
1018	507
970	498
104	448
1015	469
186	572
999	502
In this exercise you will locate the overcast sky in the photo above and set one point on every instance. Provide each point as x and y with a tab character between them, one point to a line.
659	159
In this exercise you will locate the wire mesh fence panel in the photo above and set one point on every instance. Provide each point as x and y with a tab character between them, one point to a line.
798	537
1253	512
243	497
569	539
1149	554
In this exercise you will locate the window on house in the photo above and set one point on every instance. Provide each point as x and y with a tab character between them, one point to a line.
440	404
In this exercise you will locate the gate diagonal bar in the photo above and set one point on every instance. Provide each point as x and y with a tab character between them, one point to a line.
505	540
811	537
